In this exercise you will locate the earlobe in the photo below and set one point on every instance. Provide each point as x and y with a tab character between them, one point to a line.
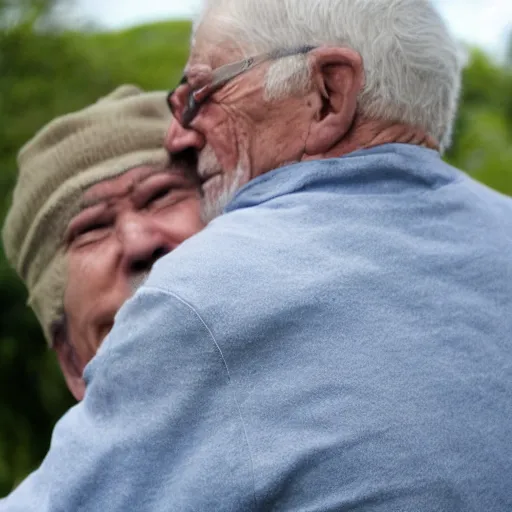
339	78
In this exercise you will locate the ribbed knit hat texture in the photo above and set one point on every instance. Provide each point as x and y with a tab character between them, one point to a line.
119	132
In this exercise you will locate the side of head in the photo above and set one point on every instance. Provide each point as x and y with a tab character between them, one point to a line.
96	203
361	69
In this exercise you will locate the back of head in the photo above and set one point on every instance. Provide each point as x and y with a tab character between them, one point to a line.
412	65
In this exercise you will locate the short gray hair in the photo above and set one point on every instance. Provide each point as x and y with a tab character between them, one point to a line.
412	65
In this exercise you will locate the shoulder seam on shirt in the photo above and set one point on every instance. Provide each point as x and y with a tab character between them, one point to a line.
200	318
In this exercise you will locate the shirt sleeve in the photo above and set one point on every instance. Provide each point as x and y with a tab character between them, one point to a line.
159	427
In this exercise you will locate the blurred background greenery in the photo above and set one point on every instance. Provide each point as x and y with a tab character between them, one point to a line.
47	69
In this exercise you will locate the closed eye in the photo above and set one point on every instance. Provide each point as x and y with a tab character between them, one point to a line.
163	189
91	227
159	193
86	232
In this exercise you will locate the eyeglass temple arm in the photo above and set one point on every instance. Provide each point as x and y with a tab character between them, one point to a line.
230	71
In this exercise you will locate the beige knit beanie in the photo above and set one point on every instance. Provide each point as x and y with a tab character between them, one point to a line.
121	131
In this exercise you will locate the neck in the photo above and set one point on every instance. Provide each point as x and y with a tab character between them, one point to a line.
365	134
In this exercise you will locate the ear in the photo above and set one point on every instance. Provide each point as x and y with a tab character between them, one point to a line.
338	78
69	363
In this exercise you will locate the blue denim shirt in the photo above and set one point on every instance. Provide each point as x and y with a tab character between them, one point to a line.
339	339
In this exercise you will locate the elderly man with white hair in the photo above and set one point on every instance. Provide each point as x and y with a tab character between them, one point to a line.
338	337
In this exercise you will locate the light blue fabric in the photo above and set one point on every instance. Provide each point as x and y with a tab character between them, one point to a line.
339	340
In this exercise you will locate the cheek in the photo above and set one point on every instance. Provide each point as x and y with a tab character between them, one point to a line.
75	305
183	220
275	144
89	276
88	261
74	284
224	135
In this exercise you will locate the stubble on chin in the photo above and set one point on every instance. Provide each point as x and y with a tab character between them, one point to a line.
218	195
221	186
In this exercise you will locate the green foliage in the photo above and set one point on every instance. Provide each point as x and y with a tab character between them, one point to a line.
152	56
483	132
46	71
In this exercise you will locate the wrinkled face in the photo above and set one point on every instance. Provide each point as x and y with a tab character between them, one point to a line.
236	134
128	223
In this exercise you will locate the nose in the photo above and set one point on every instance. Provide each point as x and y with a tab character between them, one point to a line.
179	139
143	242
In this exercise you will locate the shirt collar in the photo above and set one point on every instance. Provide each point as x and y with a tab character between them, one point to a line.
400	164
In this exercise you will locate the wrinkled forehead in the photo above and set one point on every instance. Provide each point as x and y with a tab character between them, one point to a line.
127	182
121	184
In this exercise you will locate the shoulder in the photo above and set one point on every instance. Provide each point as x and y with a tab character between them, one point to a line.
218	258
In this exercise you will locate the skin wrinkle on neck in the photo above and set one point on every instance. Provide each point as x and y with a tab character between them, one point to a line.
366	133
405	134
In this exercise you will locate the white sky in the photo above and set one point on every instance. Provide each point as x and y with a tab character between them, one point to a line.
483	22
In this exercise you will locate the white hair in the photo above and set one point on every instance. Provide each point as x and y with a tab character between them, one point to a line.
412	65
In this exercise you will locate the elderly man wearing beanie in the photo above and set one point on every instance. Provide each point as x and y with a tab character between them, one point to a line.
96	203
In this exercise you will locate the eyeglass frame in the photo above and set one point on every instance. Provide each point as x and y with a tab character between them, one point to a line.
224	74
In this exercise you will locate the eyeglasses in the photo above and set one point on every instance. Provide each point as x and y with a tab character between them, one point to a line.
186	112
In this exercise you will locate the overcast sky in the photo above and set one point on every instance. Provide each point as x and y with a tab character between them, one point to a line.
484	22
